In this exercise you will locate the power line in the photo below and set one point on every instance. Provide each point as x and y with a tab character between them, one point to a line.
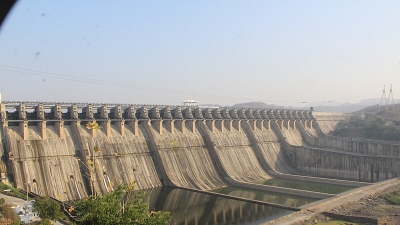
106	83
138	87
116	84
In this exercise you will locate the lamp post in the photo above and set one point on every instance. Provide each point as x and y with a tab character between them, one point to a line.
27	190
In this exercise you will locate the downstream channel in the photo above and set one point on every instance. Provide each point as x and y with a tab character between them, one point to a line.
307	185
188	207
266	196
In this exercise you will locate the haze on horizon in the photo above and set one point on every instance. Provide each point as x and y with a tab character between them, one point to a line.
216	52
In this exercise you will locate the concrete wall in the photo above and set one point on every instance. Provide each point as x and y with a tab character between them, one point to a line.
358	145
337	164
328	121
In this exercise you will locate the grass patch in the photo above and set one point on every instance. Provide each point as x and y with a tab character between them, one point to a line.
393	198
13	191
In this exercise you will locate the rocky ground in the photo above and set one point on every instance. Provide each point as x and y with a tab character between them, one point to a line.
373	206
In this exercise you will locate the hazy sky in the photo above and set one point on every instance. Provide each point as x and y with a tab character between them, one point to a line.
219	52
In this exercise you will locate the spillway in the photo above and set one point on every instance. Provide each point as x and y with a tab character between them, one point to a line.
186	159
292	136
272	151
46	167
237	155
48	149
121	159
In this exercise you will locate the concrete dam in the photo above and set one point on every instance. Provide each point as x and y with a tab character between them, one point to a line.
47	148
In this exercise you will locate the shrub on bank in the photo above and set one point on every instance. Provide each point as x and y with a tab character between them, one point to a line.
13	191
393	198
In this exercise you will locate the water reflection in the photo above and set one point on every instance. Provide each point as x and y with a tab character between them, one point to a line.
283	199
306	185
187	207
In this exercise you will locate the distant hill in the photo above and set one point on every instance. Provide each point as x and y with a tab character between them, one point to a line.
345	108
318	107
363	105
265	106
366	105
375	108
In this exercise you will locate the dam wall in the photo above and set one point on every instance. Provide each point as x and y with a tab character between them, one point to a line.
51	148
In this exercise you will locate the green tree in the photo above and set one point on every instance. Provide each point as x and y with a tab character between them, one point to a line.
48	208
122	206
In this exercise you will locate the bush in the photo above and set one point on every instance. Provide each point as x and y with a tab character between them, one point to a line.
122	206
7	213
14	191
48	208
393	198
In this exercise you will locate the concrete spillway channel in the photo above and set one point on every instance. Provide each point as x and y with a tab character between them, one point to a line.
46	167
122	159
183	153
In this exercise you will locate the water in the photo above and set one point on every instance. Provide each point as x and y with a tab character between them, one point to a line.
266	196
188	207
308	186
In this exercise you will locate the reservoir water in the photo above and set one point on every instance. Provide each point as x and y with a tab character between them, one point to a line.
188	207
306	185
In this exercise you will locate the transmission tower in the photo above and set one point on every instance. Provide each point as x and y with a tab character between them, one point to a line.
390	95
383	96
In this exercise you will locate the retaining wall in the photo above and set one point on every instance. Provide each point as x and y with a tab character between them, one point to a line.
342	165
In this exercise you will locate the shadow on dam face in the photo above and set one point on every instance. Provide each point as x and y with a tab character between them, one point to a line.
188	207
